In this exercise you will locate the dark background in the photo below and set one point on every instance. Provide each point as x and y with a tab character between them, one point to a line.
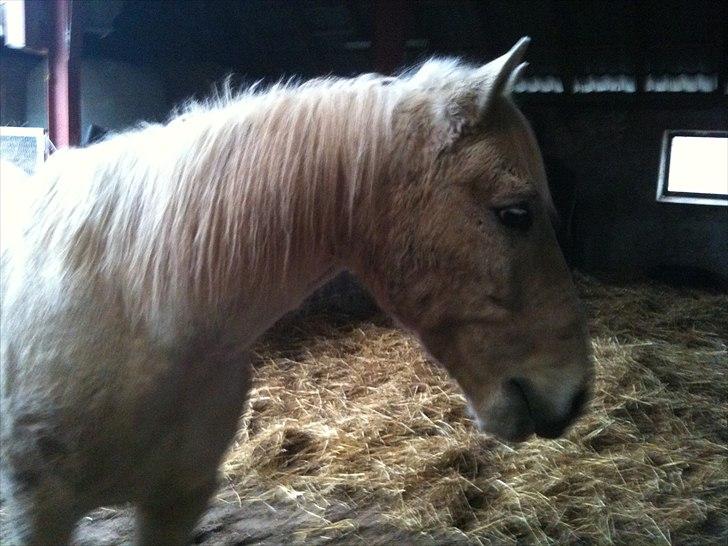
602	148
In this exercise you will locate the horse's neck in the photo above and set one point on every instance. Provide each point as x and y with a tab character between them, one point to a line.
242	318
269	305
254	222
277	271
260	308
295	220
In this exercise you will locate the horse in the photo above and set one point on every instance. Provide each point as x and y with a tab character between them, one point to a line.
146	265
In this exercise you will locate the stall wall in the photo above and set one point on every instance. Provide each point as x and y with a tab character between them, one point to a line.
603	158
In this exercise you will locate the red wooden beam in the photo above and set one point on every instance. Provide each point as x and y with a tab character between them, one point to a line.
64	102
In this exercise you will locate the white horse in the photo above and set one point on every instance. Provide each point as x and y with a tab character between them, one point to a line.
147	264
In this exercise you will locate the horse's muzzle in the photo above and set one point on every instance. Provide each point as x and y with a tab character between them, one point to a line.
548	423
522	411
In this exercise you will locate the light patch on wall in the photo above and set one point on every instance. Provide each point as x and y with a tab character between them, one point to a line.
694	168
605	83
681	83
539	84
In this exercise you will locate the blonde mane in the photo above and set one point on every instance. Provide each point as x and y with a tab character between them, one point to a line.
230	193
223	194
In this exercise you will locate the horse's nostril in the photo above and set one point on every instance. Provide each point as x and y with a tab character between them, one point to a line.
520	388
553	428
539	410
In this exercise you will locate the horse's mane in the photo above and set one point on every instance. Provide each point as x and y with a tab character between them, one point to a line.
221	197
243	178
283	160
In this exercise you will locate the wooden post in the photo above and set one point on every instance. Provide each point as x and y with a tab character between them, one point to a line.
64	76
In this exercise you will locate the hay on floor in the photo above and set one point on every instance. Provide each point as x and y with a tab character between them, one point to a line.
353	414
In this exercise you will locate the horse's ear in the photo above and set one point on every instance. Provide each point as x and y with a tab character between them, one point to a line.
466	100
498	77
515	76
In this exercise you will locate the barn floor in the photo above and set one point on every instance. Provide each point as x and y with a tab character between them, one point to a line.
353	437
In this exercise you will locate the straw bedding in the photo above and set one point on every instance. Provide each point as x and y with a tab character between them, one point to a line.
353	437
348	417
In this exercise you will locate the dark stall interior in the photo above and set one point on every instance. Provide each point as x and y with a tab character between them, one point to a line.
605	81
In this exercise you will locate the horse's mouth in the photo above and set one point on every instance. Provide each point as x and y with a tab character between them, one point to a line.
523	413
515	426
544	422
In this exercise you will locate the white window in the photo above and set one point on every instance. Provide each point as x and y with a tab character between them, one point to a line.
694	168
12	23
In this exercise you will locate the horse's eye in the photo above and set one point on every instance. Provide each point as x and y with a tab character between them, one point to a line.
515	216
